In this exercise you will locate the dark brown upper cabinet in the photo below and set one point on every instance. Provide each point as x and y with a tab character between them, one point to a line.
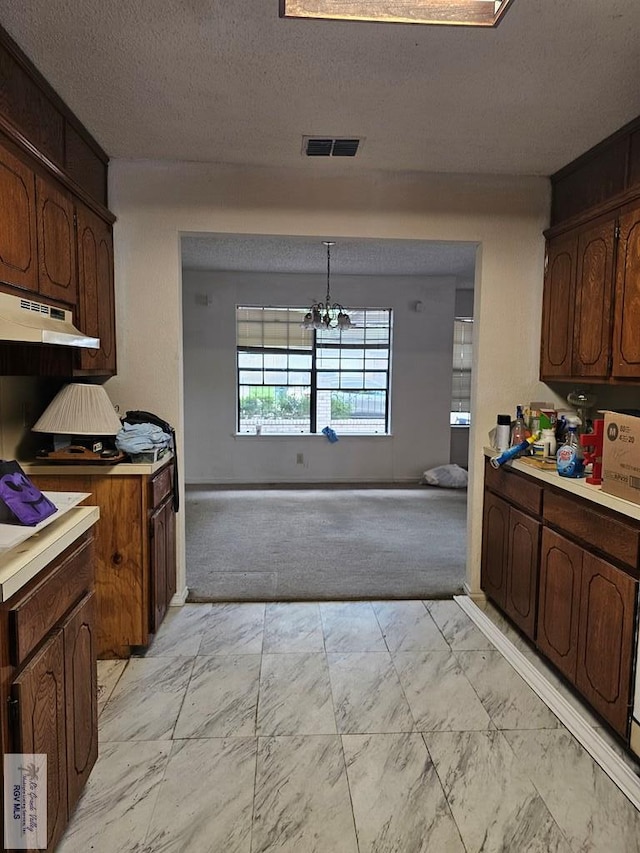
558	307
593	300
18	252
626	336
96	303
57	277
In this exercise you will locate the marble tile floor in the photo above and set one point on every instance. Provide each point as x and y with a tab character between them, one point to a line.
384	727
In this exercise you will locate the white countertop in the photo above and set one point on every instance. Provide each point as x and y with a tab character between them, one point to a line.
121	469
20	564
577	486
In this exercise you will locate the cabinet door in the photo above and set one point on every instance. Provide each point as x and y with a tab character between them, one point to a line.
523	556
495	527
558	307
159	566
626	340
594	292
18	253
96	304
56	243
607	607
170	527
41	727
81	696
558	601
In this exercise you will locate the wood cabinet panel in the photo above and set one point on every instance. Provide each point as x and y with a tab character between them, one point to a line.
96	304
122	584
81	696
605	532
39	690
83	165
522	576
595	178
607	609
56	243
26	106
518	489
18	253
626	339
494	548
594	293
128	571
34	612
159	559
558	307
558	613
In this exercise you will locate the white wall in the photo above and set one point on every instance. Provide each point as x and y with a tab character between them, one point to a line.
421	382
154	203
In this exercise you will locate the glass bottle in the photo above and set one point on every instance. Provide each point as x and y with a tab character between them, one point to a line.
519	431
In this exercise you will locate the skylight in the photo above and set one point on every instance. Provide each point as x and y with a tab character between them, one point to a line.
463	13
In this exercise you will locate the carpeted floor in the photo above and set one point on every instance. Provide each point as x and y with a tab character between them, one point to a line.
297	544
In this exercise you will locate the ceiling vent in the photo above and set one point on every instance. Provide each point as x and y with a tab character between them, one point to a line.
316	146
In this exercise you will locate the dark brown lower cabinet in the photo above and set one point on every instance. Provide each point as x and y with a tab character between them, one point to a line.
494	548
607	609
510	549
41	728
163	575
49	677
565	572
558	611
522	570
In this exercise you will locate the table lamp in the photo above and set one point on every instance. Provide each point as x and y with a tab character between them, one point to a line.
83	413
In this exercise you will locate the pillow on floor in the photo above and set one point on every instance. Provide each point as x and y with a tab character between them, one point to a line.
449	476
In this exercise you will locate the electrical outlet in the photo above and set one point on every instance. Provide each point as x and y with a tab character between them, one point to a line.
300	459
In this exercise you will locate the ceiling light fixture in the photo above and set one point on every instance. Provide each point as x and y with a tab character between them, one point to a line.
327	314
462	13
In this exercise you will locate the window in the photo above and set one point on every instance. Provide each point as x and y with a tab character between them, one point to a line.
470	13
295	380
462	360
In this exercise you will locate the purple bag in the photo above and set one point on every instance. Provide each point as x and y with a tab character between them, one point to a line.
20	500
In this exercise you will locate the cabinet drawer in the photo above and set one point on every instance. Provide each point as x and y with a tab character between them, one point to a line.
514	487
35	612
607	533
161	486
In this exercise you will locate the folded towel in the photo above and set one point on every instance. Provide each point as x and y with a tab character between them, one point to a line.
136	438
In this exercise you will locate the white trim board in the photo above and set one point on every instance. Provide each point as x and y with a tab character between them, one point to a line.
614	766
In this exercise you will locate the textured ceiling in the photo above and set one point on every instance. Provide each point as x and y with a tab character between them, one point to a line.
229	81
257	253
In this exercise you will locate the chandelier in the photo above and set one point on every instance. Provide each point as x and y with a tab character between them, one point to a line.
327	314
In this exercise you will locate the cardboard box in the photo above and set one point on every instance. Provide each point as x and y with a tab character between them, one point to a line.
621	456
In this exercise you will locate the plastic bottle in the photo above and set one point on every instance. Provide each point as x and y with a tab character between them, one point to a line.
512	452
519	431
548	438
503	432
569	459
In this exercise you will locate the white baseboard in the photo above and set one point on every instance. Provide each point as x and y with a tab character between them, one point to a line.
478	597
179	598
614	766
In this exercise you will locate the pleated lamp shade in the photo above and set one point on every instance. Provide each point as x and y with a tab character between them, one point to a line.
80	409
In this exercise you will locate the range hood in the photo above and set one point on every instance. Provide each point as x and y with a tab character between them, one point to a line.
28	322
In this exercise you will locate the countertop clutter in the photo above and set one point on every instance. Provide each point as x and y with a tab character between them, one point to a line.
577	486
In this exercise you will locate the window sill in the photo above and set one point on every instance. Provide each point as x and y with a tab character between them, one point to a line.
305	435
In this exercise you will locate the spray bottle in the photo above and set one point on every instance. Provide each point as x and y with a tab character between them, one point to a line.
570	459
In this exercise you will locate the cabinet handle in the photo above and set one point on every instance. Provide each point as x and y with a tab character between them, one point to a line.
116	559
